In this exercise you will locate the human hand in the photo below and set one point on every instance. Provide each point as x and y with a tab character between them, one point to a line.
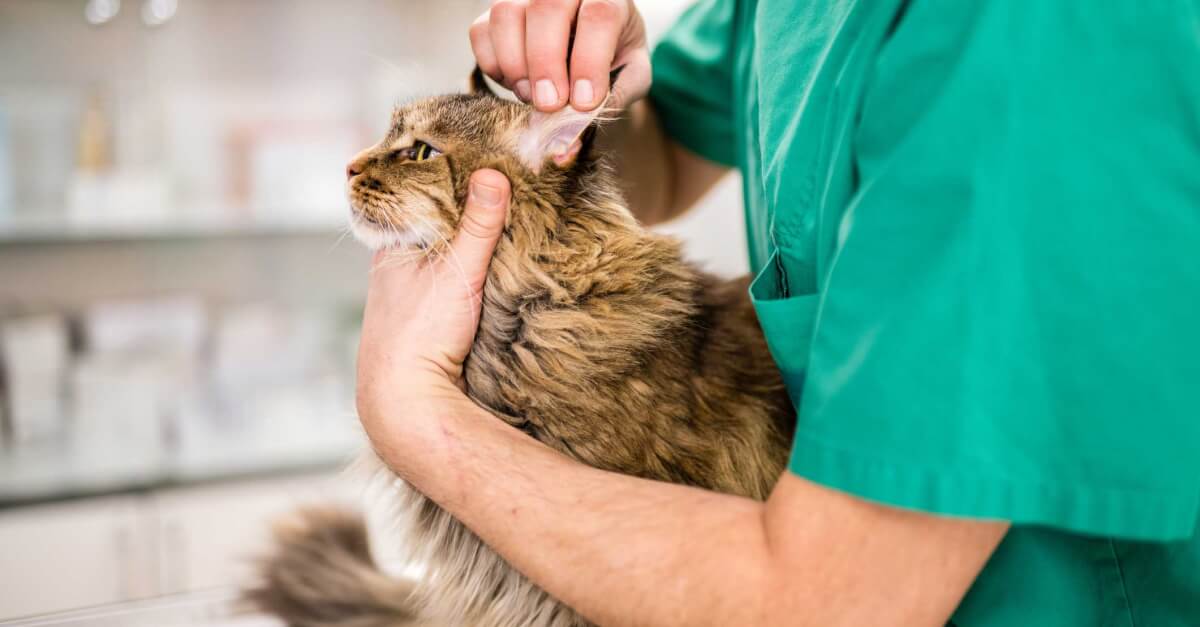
526	45
421	317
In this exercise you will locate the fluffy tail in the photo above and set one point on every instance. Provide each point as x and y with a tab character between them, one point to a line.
322	575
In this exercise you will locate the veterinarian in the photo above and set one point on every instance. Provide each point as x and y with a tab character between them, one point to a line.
976	228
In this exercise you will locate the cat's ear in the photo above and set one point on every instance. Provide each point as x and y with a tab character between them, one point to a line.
564	136
479	85
557	138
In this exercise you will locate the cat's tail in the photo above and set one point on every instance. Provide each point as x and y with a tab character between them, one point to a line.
321	574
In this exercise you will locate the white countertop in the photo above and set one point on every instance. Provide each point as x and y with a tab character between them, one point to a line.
211	608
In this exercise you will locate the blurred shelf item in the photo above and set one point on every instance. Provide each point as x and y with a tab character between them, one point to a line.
33	360
168	391
73	472
51	231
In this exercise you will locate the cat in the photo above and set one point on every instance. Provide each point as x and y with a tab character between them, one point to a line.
596	337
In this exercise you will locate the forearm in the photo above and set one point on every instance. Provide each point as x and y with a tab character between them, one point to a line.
661	180
639	150
627	551
611	546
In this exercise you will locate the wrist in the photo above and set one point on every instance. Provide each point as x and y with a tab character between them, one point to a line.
405	416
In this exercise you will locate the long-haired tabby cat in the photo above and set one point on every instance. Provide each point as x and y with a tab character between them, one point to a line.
596	338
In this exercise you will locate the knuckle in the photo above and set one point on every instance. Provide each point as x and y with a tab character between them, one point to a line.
475	226
592	64
507	8
513	68
544	60
549	5
478	31
600	11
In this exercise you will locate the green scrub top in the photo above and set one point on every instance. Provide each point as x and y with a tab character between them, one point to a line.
976	228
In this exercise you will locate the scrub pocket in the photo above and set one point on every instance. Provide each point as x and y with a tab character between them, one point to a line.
787	320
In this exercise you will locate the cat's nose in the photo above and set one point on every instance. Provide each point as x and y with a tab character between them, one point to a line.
354	168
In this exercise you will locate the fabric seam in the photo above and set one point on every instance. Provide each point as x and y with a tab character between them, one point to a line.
1065	487
1112	548
1071	509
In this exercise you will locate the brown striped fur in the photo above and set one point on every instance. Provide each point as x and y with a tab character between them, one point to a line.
596	338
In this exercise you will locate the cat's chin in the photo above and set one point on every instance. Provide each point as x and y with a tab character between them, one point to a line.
375	237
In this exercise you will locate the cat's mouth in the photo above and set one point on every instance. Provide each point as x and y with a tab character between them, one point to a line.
378	233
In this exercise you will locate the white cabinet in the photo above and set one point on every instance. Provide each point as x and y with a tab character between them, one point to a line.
209	536
92	552
107	550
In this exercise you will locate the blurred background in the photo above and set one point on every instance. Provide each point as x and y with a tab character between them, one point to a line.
178	303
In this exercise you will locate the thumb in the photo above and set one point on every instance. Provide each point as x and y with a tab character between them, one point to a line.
482	223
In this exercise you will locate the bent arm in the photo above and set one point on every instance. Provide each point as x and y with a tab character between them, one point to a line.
661	179
627	551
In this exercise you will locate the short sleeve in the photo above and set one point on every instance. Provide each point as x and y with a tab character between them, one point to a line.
693	80
1010	324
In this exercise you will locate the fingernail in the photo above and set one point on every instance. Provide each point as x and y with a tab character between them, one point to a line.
522	89
485	196
546	94
584	95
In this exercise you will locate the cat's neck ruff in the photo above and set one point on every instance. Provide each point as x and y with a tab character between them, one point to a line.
577	294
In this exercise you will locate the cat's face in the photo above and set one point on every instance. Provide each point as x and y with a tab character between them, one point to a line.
407	191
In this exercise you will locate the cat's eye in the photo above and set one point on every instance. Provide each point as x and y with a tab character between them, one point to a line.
420	151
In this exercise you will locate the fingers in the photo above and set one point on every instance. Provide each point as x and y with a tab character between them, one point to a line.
548	33
481	46
597	36
527	46
506	29
481	224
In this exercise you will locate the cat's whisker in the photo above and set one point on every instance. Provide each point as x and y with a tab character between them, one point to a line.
432	273
398	258
442	244
394	256
391	259
430	254
346	231
454	261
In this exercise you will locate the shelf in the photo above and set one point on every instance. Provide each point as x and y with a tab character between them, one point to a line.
60	232
66	472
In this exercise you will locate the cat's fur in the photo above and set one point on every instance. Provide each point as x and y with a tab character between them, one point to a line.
596	338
